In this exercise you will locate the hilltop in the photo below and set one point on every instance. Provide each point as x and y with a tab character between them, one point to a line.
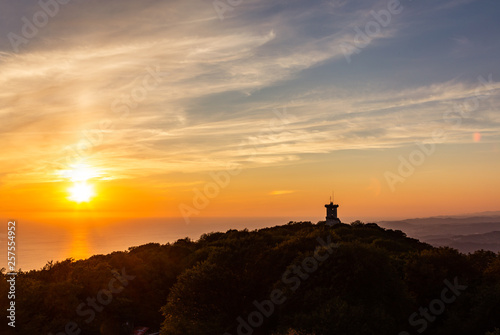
298	278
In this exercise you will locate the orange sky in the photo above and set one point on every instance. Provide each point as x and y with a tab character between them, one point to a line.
442	185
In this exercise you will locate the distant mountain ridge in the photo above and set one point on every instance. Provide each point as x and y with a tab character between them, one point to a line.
474	214
463	232
467	243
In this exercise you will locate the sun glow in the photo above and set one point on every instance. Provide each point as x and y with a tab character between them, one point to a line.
81	191
80	173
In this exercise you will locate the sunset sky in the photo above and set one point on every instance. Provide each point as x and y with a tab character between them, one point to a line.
132	108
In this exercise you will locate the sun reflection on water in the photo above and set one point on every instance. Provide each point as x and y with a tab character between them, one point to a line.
79	245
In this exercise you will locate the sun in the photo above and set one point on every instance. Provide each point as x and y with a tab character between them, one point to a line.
82	190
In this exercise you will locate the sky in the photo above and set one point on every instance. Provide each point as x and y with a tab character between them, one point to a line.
249	108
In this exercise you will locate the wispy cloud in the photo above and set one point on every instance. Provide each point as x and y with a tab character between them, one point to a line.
281	192
221	81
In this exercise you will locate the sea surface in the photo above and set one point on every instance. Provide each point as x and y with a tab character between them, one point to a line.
40	241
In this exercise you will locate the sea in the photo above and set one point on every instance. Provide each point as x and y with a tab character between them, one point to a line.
39	241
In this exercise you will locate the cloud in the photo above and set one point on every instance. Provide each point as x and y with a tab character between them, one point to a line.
281	192
221	81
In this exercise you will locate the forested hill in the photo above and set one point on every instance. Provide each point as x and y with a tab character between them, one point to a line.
299	278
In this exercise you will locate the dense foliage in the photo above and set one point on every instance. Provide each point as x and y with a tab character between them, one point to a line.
299	278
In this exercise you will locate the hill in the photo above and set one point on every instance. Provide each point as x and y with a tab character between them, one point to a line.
467	243
298	278
465	233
